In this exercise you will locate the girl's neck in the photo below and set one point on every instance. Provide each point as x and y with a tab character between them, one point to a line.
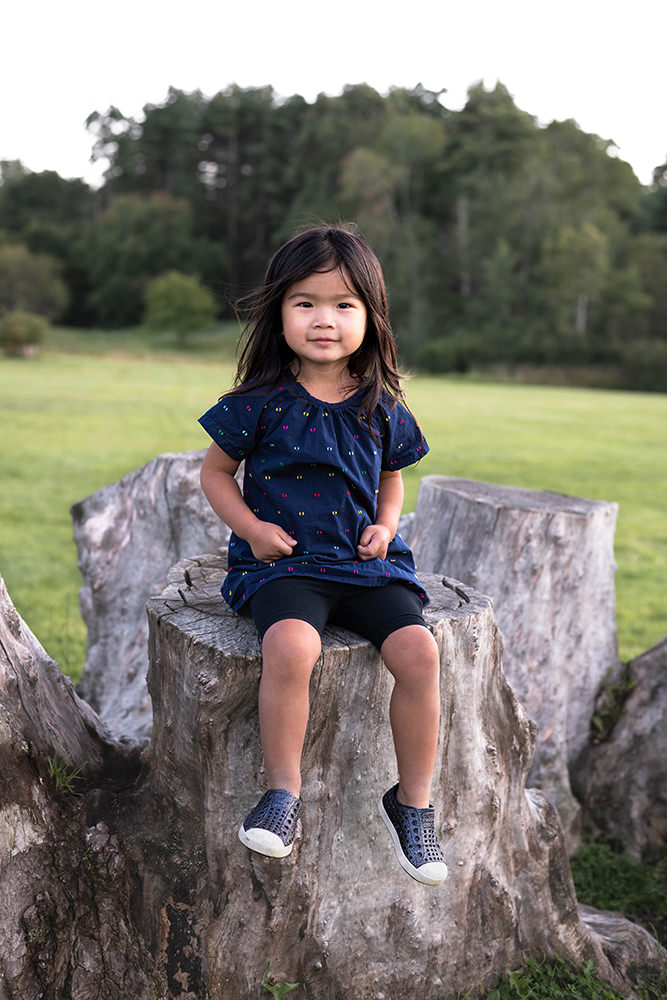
330	386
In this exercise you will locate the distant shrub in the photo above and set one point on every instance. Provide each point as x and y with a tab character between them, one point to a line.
21	333
178	302
644	365
456	353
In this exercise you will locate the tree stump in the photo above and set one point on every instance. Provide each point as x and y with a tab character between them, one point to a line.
324	918
64	884
623	780
547	562
128	535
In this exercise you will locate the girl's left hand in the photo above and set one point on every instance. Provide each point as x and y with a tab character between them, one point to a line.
374	542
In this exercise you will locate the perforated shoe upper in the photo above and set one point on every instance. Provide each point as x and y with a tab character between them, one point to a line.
277	812
415	840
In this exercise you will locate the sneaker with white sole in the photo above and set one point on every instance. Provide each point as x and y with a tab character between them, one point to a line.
271	826
413	833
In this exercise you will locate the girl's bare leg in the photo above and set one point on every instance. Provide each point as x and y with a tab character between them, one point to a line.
412	657
290	650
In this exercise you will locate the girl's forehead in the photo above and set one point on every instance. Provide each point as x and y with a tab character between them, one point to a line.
335	281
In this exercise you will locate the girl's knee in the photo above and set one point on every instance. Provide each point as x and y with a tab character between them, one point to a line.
415	638
412	650
290	647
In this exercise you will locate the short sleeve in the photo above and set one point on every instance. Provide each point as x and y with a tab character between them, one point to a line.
403	443
232	423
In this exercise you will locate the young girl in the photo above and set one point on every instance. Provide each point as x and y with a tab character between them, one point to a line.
318	417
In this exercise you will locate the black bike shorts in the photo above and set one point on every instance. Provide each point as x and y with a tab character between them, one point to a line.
372	612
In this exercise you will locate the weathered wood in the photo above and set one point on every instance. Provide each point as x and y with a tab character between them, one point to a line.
628	946
623	781
339	916
128	535
64	885
40	707
145	891
547	562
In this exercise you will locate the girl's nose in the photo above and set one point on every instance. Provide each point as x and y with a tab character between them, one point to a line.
323	316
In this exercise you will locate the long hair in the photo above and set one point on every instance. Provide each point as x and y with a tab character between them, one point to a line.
265	353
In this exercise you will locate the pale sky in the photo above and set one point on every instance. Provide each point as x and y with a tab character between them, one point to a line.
597	62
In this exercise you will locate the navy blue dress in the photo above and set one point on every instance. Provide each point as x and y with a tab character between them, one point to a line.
313	468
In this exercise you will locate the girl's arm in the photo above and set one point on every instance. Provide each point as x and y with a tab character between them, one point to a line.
267	541
375	538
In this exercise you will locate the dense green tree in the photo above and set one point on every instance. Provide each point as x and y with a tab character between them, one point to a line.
656	207
520	242
388	189
501	239
30	282
115	139
241	170
576	265
649	256
637	301
169	150
10	170
496	319
415	144
369	182
488	142
487	137
30	202
330	129
135	240
46	214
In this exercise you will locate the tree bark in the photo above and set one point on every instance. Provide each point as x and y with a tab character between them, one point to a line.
140	887
339	916
622	781
547	562
64	884
128	535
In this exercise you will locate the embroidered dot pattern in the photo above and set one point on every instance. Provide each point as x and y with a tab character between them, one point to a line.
314	469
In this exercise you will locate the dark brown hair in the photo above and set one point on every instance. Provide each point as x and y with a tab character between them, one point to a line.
265	353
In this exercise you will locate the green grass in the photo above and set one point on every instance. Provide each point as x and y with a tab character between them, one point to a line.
561	981
611	881
212	343
95	406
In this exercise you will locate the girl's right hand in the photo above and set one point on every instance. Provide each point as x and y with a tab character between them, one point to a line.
270	542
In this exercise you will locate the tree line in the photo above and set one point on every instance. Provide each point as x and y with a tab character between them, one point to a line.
503	241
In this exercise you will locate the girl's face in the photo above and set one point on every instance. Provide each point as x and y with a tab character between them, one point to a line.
324	319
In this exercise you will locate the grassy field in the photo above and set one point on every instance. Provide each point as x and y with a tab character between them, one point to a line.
593	443
90	409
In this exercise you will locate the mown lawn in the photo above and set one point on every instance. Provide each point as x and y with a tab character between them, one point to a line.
73	422
600	444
